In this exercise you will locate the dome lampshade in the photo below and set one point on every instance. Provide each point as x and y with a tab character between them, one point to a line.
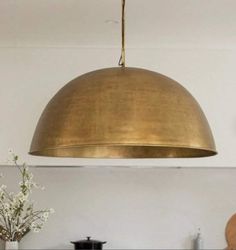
123	113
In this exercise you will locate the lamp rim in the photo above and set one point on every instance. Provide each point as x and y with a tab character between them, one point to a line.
208	151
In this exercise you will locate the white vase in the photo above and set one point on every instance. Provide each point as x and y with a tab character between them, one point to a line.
11	245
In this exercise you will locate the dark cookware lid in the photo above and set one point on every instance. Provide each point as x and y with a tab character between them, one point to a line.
88	240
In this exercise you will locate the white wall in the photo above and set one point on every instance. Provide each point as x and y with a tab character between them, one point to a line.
132	208
29	77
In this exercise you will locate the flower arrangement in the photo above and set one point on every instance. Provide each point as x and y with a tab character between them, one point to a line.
17	213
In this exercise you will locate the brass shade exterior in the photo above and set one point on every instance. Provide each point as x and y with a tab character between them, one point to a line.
123	113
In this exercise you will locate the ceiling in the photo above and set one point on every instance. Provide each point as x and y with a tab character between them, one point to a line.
96	23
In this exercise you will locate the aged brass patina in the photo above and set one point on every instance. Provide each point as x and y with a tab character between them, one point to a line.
123	113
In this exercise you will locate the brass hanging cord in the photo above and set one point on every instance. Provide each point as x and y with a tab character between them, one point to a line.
122	58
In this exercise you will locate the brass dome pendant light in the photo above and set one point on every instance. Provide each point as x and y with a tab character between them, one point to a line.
123	113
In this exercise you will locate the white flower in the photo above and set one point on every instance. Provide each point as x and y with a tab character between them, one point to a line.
51	211
33	225
44	218
36	230
22	197
2	195
17	209
45	215
11	193
27	168
3	187
6	206
35	185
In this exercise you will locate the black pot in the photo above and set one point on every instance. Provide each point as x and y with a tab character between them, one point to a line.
88	244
